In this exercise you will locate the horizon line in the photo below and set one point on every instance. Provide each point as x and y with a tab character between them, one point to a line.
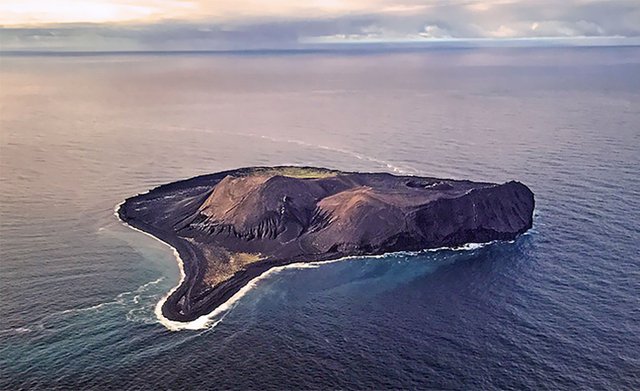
349	47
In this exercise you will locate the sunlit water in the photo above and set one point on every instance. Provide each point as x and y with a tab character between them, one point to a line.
558	309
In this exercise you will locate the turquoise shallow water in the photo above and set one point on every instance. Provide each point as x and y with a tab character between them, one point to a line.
556	309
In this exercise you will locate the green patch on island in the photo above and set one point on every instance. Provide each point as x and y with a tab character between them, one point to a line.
296	172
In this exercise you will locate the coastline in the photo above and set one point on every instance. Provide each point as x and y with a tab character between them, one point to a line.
206	321
169	324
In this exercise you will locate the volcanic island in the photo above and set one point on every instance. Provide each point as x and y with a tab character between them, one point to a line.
232	226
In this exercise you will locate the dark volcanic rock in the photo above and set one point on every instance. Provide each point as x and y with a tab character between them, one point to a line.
232	226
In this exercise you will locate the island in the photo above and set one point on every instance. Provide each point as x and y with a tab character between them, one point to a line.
232	226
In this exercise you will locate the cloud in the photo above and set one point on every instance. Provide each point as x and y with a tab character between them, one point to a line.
255	24
433	31
29	12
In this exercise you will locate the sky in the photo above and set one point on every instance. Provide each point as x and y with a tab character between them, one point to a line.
289	24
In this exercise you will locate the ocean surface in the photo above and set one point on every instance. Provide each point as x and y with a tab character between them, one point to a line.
558	309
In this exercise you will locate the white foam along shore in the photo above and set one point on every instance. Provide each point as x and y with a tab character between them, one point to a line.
197	324
208	320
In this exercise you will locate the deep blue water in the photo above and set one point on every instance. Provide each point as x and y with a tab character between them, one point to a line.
557	309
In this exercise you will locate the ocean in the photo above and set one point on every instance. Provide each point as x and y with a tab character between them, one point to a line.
559	308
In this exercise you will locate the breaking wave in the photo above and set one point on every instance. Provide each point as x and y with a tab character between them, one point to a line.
61	320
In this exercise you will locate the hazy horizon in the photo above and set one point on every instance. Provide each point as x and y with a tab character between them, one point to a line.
358	48
152	25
